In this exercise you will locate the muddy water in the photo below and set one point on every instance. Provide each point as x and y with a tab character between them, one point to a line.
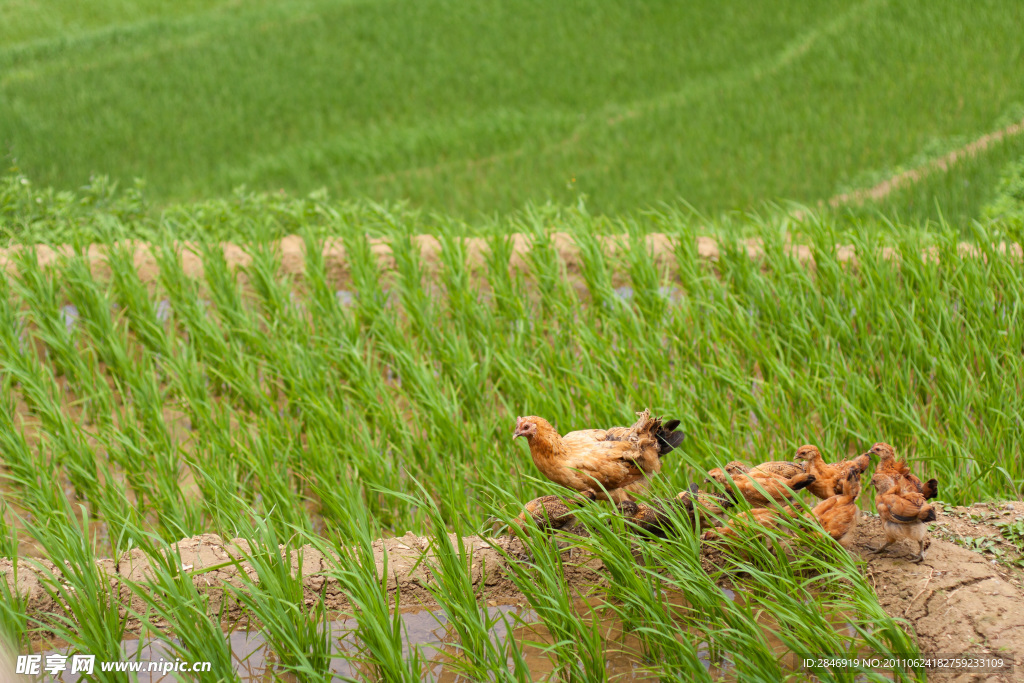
429	632
425	629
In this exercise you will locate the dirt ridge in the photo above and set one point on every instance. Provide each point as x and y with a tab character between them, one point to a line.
913	175
291	249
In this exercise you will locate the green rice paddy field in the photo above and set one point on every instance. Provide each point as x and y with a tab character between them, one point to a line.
455	213
474	108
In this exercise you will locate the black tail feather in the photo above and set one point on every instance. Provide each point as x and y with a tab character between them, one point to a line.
668	438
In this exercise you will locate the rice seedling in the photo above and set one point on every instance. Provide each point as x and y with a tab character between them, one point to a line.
14	624
577	643
379	628
477	654
172	602
90	620
13	620
299	635
638	596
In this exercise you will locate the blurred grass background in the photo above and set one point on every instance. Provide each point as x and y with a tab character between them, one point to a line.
481	107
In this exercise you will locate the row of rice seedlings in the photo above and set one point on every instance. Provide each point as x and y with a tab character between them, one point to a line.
736	368
55	325
394	347
40	389
39	482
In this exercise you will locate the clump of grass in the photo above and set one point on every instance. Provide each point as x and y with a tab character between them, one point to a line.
637	594
578	646
479	656
14	623
298	633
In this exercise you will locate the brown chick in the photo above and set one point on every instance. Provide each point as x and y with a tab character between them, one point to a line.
767	517
650	517
904	513
889	465
778	489
597	461
707	504
735	467
702	509
828	478
548	512
782	468
838	514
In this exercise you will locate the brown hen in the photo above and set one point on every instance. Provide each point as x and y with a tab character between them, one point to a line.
600	462
828	478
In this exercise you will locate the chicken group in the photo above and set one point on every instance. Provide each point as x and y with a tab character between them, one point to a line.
616	463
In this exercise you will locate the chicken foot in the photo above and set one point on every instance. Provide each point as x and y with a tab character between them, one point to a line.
880	549
913	558
920	553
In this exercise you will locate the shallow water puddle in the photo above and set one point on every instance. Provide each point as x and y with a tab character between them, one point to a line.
425	629
428	631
